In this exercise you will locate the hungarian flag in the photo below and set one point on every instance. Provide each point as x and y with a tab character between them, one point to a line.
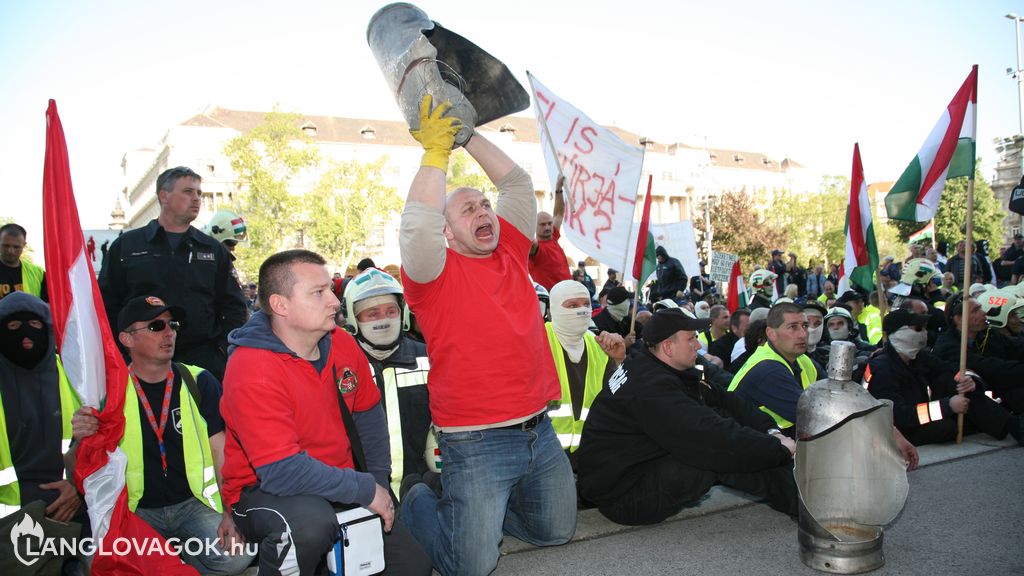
737	289
95	367
645	261
947	153
926	233
861	251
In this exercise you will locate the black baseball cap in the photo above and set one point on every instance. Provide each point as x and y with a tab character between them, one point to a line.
815	305
666	322
144	309
901	317
851	296
617	295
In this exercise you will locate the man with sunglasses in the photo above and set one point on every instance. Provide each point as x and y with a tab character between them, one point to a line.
171	259
1001	375
174	439
926	395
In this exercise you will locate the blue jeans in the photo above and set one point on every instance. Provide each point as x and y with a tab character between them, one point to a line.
496	480
193	519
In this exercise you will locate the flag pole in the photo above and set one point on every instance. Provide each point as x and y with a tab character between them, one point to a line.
964	316
968	256
641	245
880	290
551	145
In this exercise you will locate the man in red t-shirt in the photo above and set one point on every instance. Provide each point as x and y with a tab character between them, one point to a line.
548	264
288	458
492	374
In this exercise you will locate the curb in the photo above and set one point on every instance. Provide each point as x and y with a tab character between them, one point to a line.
590	524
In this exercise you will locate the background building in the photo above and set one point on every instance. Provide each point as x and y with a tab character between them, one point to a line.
686	177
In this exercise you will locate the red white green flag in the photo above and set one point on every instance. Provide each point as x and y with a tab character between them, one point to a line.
861	251
644	260
948	152
926	233
737	289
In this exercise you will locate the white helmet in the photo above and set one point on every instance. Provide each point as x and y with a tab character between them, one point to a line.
840	312
369	283
226	225
998	304
762	280
545	301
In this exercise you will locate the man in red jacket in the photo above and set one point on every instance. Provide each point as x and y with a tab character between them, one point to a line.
288	458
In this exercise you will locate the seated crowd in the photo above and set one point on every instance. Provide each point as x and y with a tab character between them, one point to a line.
461	402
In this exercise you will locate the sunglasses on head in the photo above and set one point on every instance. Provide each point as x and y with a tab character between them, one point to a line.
158	326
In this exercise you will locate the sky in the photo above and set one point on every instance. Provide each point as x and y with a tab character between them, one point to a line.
798	78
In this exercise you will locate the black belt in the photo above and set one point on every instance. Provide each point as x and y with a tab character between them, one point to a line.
528	424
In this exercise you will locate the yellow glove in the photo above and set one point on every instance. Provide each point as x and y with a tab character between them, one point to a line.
436	133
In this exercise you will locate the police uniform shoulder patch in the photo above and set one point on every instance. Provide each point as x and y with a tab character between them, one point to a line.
348	381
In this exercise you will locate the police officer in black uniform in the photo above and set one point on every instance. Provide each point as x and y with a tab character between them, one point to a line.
171	259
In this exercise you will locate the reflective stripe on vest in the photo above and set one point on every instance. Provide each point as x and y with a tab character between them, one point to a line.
871	317
395	378
199	471
765	353
31	279
10	491
568	429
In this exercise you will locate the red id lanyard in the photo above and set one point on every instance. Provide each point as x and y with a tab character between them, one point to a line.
158	429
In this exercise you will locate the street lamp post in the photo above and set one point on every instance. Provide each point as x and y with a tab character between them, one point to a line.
1018	74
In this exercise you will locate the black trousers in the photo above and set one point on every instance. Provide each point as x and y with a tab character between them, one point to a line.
983	415
667	485
296	532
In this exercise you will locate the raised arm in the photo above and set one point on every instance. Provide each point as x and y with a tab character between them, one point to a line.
559	213
421	237
516	200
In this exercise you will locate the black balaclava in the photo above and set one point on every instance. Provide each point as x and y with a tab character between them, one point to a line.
11	341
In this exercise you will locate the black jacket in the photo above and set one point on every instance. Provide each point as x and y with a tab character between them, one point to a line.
196	277
1001	376
649	410
722	348
413	402
907	385
605	323
671	278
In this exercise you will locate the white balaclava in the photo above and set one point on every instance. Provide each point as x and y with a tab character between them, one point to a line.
814	334
378	337
570	324
908	341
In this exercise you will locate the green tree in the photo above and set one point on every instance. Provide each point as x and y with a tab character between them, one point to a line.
347	206
951	217
464	172
815	222
267	160
739	229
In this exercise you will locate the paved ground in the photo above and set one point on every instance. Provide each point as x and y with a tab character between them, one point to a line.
964	516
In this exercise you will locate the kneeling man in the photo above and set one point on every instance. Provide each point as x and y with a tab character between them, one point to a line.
660	436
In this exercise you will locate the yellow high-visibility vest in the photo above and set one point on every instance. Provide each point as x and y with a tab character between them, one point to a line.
202	479
568	429
765	353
